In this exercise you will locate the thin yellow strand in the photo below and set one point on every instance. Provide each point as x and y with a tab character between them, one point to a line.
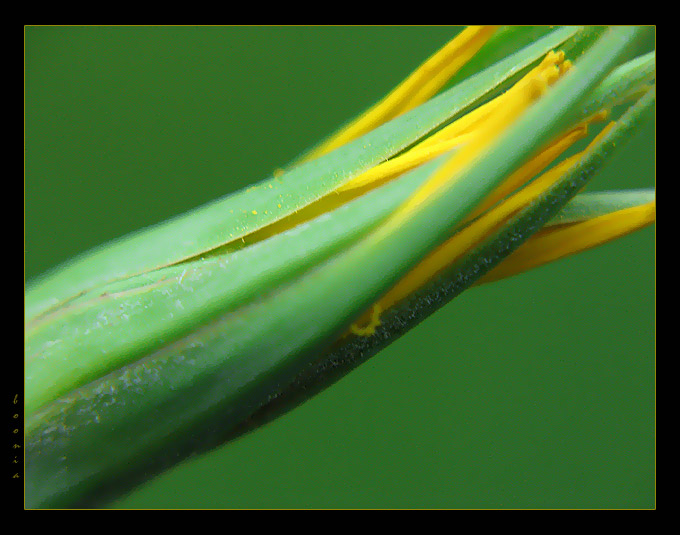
373	322
553	243
382	173
422	84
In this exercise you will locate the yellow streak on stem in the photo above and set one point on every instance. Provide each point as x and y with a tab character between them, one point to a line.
373	322
467	238
409	160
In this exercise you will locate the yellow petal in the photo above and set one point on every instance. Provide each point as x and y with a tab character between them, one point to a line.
422	84
556	242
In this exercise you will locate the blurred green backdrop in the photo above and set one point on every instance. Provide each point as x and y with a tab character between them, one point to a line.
533	392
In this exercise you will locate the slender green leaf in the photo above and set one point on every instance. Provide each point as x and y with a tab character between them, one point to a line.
625	82
594	204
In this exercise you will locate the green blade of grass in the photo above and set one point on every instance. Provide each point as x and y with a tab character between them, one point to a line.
594	204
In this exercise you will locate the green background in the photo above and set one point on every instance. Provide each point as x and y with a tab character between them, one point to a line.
537	391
